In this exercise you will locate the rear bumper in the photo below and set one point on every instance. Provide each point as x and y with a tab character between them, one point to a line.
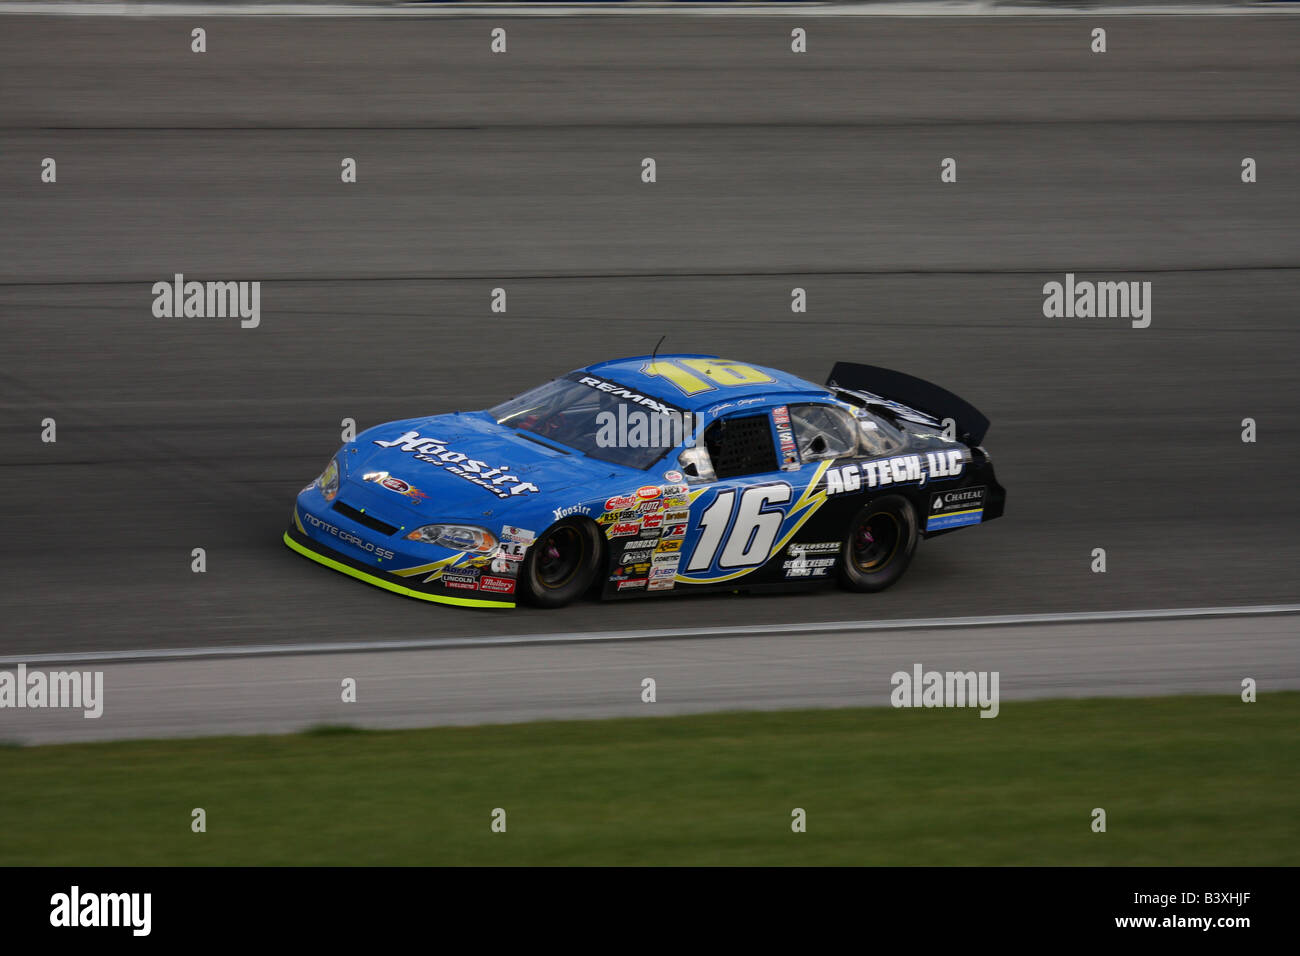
996	503
409	582
993	505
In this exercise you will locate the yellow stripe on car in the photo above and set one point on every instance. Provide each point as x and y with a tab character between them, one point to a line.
389	585
437	567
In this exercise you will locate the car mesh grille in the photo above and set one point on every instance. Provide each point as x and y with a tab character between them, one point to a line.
360	517
741	446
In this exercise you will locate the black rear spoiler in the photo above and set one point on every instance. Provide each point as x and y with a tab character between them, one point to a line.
913	392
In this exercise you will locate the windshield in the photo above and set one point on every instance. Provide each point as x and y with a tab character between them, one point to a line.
597	417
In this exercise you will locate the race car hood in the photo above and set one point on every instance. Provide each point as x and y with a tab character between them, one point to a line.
458	466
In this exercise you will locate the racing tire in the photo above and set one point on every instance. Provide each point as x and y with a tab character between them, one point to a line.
881	541
561	564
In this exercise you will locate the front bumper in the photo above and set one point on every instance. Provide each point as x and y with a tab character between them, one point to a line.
447	581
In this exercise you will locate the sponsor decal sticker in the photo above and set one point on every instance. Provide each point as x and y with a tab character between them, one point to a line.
676	477
385	480
497	480
497	585
625	528
518	535
807	548
512	550
571	510
808	567
955	509
785	437
648	492
619	502
667	546
898	470
631	584
619	391
464	580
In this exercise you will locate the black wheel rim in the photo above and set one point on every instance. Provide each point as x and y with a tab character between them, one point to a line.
560	557
875	542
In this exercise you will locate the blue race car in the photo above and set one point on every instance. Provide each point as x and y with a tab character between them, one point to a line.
654	475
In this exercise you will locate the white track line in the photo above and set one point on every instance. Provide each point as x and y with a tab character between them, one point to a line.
436	643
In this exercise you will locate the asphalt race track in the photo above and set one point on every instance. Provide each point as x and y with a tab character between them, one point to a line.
774	170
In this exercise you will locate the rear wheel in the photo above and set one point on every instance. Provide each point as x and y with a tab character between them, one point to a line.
880	544
561	564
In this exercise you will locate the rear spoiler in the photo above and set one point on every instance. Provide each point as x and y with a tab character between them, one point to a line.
914	393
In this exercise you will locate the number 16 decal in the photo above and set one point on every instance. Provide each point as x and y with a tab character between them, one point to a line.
752	532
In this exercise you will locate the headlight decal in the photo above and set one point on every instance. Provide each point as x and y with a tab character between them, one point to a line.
457	537
329	480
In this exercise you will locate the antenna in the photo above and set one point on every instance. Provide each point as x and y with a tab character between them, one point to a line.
656	350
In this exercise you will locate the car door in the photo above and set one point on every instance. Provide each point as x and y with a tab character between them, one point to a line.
747	491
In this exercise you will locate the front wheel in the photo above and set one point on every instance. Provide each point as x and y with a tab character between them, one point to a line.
561	564
879	547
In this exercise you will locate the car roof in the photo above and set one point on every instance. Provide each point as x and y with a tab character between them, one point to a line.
631	372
